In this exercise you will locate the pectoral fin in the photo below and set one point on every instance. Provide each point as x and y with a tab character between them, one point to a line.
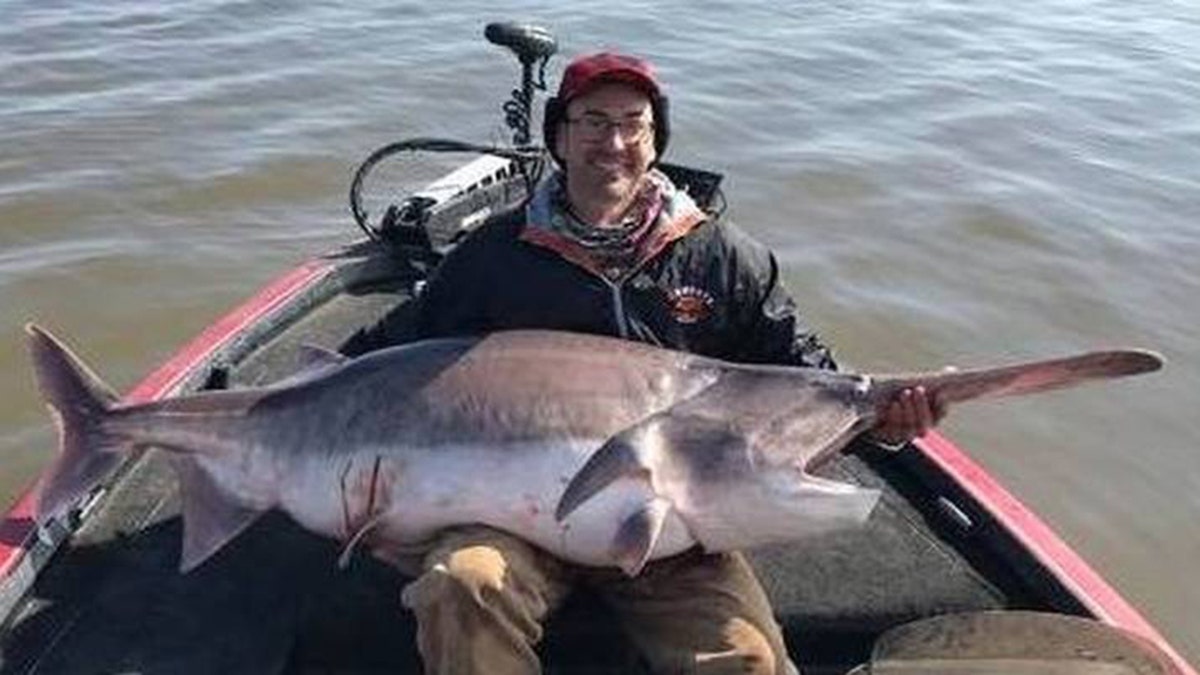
637	535
210	519
676	453
618	458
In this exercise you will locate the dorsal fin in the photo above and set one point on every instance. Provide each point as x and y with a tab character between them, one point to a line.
314	361
315	356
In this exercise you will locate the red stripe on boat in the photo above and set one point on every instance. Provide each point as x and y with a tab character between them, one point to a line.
1037	537
18	528
173	372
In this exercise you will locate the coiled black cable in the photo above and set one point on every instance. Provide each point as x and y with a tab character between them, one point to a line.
528	160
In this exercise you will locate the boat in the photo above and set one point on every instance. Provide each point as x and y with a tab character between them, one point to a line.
951	574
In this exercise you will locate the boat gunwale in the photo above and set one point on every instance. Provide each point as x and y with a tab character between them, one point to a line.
1044	544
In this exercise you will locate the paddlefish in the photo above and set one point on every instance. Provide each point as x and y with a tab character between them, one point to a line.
601	451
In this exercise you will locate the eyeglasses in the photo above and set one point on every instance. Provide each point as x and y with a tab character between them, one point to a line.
594	127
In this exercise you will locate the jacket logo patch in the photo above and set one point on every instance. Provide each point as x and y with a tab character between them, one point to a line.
689	304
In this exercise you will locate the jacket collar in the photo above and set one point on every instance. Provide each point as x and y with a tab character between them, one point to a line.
673	212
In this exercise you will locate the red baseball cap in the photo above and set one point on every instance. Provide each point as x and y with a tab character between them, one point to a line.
585	72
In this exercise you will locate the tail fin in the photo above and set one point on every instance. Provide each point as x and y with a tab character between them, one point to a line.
79	402
1023	378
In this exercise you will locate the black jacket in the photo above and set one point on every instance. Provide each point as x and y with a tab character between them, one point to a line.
712	290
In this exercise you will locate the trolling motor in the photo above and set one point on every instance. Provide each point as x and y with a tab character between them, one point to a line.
408	223
432	217
531	44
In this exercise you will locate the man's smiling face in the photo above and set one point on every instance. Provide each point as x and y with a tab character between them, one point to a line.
607	141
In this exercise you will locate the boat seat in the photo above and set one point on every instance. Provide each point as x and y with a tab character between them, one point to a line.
1013	643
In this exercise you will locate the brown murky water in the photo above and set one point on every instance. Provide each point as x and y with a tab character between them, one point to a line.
945	184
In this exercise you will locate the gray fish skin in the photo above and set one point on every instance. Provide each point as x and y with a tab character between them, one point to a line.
601	451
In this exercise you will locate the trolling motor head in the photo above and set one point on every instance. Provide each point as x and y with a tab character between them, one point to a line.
530	44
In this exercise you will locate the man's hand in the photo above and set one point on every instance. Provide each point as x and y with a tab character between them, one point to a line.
908	416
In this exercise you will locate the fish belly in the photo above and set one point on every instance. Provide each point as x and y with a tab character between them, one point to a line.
414	494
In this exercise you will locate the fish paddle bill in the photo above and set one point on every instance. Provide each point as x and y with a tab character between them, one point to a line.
1023	378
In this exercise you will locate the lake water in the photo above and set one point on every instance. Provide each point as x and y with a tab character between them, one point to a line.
944	182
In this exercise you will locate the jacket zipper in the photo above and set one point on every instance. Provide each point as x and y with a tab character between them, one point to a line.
618	308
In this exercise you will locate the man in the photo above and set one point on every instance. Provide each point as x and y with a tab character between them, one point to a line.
608	245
